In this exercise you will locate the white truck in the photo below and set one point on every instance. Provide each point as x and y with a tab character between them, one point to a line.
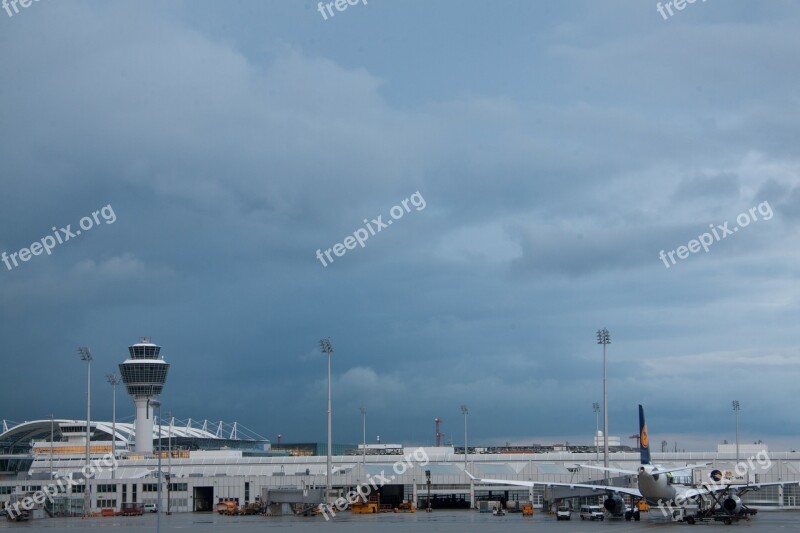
563	512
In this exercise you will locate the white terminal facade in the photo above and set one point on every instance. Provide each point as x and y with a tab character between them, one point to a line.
210	462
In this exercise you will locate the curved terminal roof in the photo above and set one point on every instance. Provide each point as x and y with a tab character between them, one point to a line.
20	435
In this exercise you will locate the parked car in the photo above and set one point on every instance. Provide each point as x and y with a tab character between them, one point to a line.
150	508
592	512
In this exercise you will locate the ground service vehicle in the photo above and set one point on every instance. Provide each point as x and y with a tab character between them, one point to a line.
592	512
563	512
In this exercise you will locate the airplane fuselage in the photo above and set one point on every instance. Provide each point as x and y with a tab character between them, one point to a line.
654	486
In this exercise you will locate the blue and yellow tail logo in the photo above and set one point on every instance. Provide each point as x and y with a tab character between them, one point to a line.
644	441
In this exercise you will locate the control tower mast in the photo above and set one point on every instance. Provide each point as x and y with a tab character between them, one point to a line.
144	375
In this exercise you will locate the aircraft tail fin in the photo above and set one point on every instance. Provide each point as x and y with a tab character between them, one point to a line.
644	443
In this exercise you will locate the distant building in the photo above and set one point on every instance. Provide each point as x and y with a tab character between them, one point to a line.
612	440
378	449
304	449
745	450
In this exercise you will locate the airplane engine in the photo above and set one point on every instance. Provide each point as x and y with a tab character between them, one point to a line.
614	505
732	504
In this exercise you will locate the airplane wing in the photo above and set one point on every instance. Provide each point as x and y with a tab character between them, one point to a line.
619	470
634	473
679	468
740	488
744	487
604	488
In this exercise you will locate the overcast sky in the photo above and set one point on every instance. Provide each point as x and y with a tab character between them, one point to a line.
558	148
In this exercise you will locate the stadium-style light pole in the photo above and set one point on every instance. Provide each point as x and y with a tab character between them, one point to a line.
169	461
52	435
325	345
596	407
113	379
465	412
364	436
157	405
86	355
605	339
736	407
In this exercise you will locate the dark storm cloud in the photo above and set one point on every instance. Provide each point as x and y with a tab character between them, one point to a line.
234	141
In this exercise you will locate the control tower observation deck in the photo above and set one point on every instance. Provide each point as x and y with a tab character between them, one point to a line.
144	375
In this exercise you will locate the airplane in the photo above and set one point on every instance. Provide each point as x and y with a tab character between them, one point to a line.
656	487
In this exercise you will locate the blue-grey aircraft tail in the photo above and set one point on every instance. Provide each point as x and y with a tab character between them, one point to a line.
644	443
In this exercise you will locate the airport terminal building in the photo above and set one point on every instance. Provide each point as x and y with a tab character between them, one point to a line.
203	468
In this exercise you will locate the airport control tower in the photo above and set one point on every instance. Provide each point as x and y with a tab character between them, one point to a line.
144	375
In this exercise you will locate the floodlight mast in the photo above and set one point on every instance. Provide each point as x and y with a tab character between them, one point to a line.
364	435
596	407
52	434
155	404
604	338
327	348
736	407
465	412
113	380
86	355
